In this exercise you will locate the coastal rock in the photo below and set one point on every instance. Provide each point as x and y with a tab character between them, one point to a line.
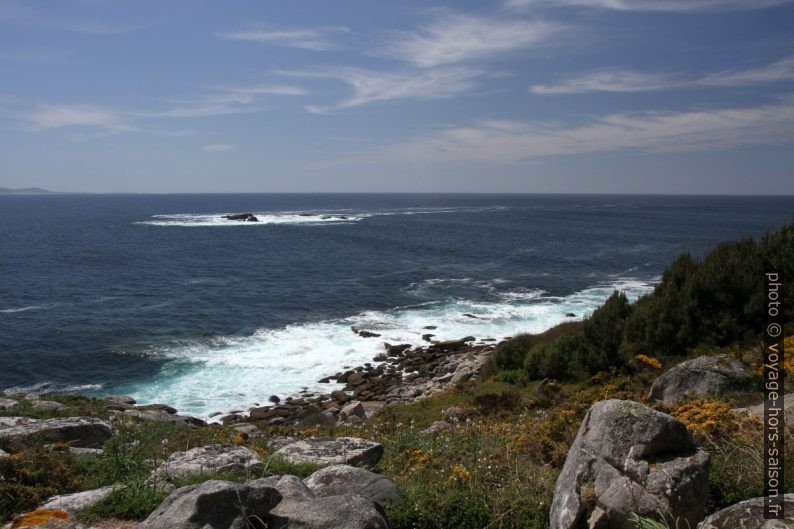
158	415
79	501
332	451
338	480
353	410
45	519
396	350
214	504
8	404
290	487
124	400
85	432
365	334
211	458
705	375
7	422
86	451
332	512
340	396
749	514
629	458
50	405
248	429
436	428
159	407
244	217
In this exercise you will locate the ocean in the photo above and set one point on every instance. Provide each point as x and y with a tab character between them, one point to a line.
159	297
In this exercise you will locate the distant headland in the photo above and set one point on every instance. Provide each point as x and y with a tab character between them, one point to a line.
25	191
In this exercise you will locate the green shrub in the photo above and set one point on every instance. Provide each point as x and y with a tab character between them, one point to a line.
29	477
511	376
561	359
134	501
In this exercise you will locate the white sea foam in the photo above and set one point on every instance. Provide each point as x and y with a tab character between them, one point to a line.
24	309
225	373
265	219
306	218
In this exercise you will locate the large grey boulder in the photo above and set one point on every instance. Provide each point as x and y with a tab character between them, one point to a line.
332	512
629	458
46	405
338	480
290	487
210	458
749	514
705	375
124	400
324	450
79	501
214	505
8	404
7	422
85	432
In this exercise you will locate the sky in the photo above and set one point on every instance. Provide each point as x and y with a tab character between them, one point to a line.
531	96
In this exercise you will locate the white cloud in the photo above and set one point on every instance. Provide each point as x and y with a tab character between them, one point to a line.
228	100
619	80
456	38
609	80
307	39
218	147
513	141
782	70
55	116
654	5
371	85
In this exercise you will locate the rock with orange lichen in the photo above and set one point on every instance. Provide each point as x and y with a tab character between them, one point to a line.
45	519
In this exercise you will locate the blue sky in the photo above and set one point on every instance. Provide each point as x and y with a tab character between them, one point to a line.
635	96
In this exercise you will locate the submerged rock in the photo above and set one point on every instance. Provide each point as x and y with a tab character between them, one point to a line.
629	458
332	450
705	375
244	217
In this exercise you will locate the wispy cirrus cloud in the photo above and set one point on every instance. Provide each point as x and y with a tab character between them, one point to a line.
503	141
373	85
220	101
322	39
454	38
55	116
681	6
621	80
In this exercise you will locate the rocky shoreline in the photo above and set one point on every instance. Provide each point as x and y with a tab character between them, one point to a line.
400	375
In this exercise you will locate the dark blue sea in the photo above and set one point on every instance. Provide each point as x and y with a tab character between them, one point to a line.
160	297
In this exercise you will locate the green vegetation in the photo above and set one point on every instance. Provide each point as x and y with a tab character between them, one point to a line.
712	303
